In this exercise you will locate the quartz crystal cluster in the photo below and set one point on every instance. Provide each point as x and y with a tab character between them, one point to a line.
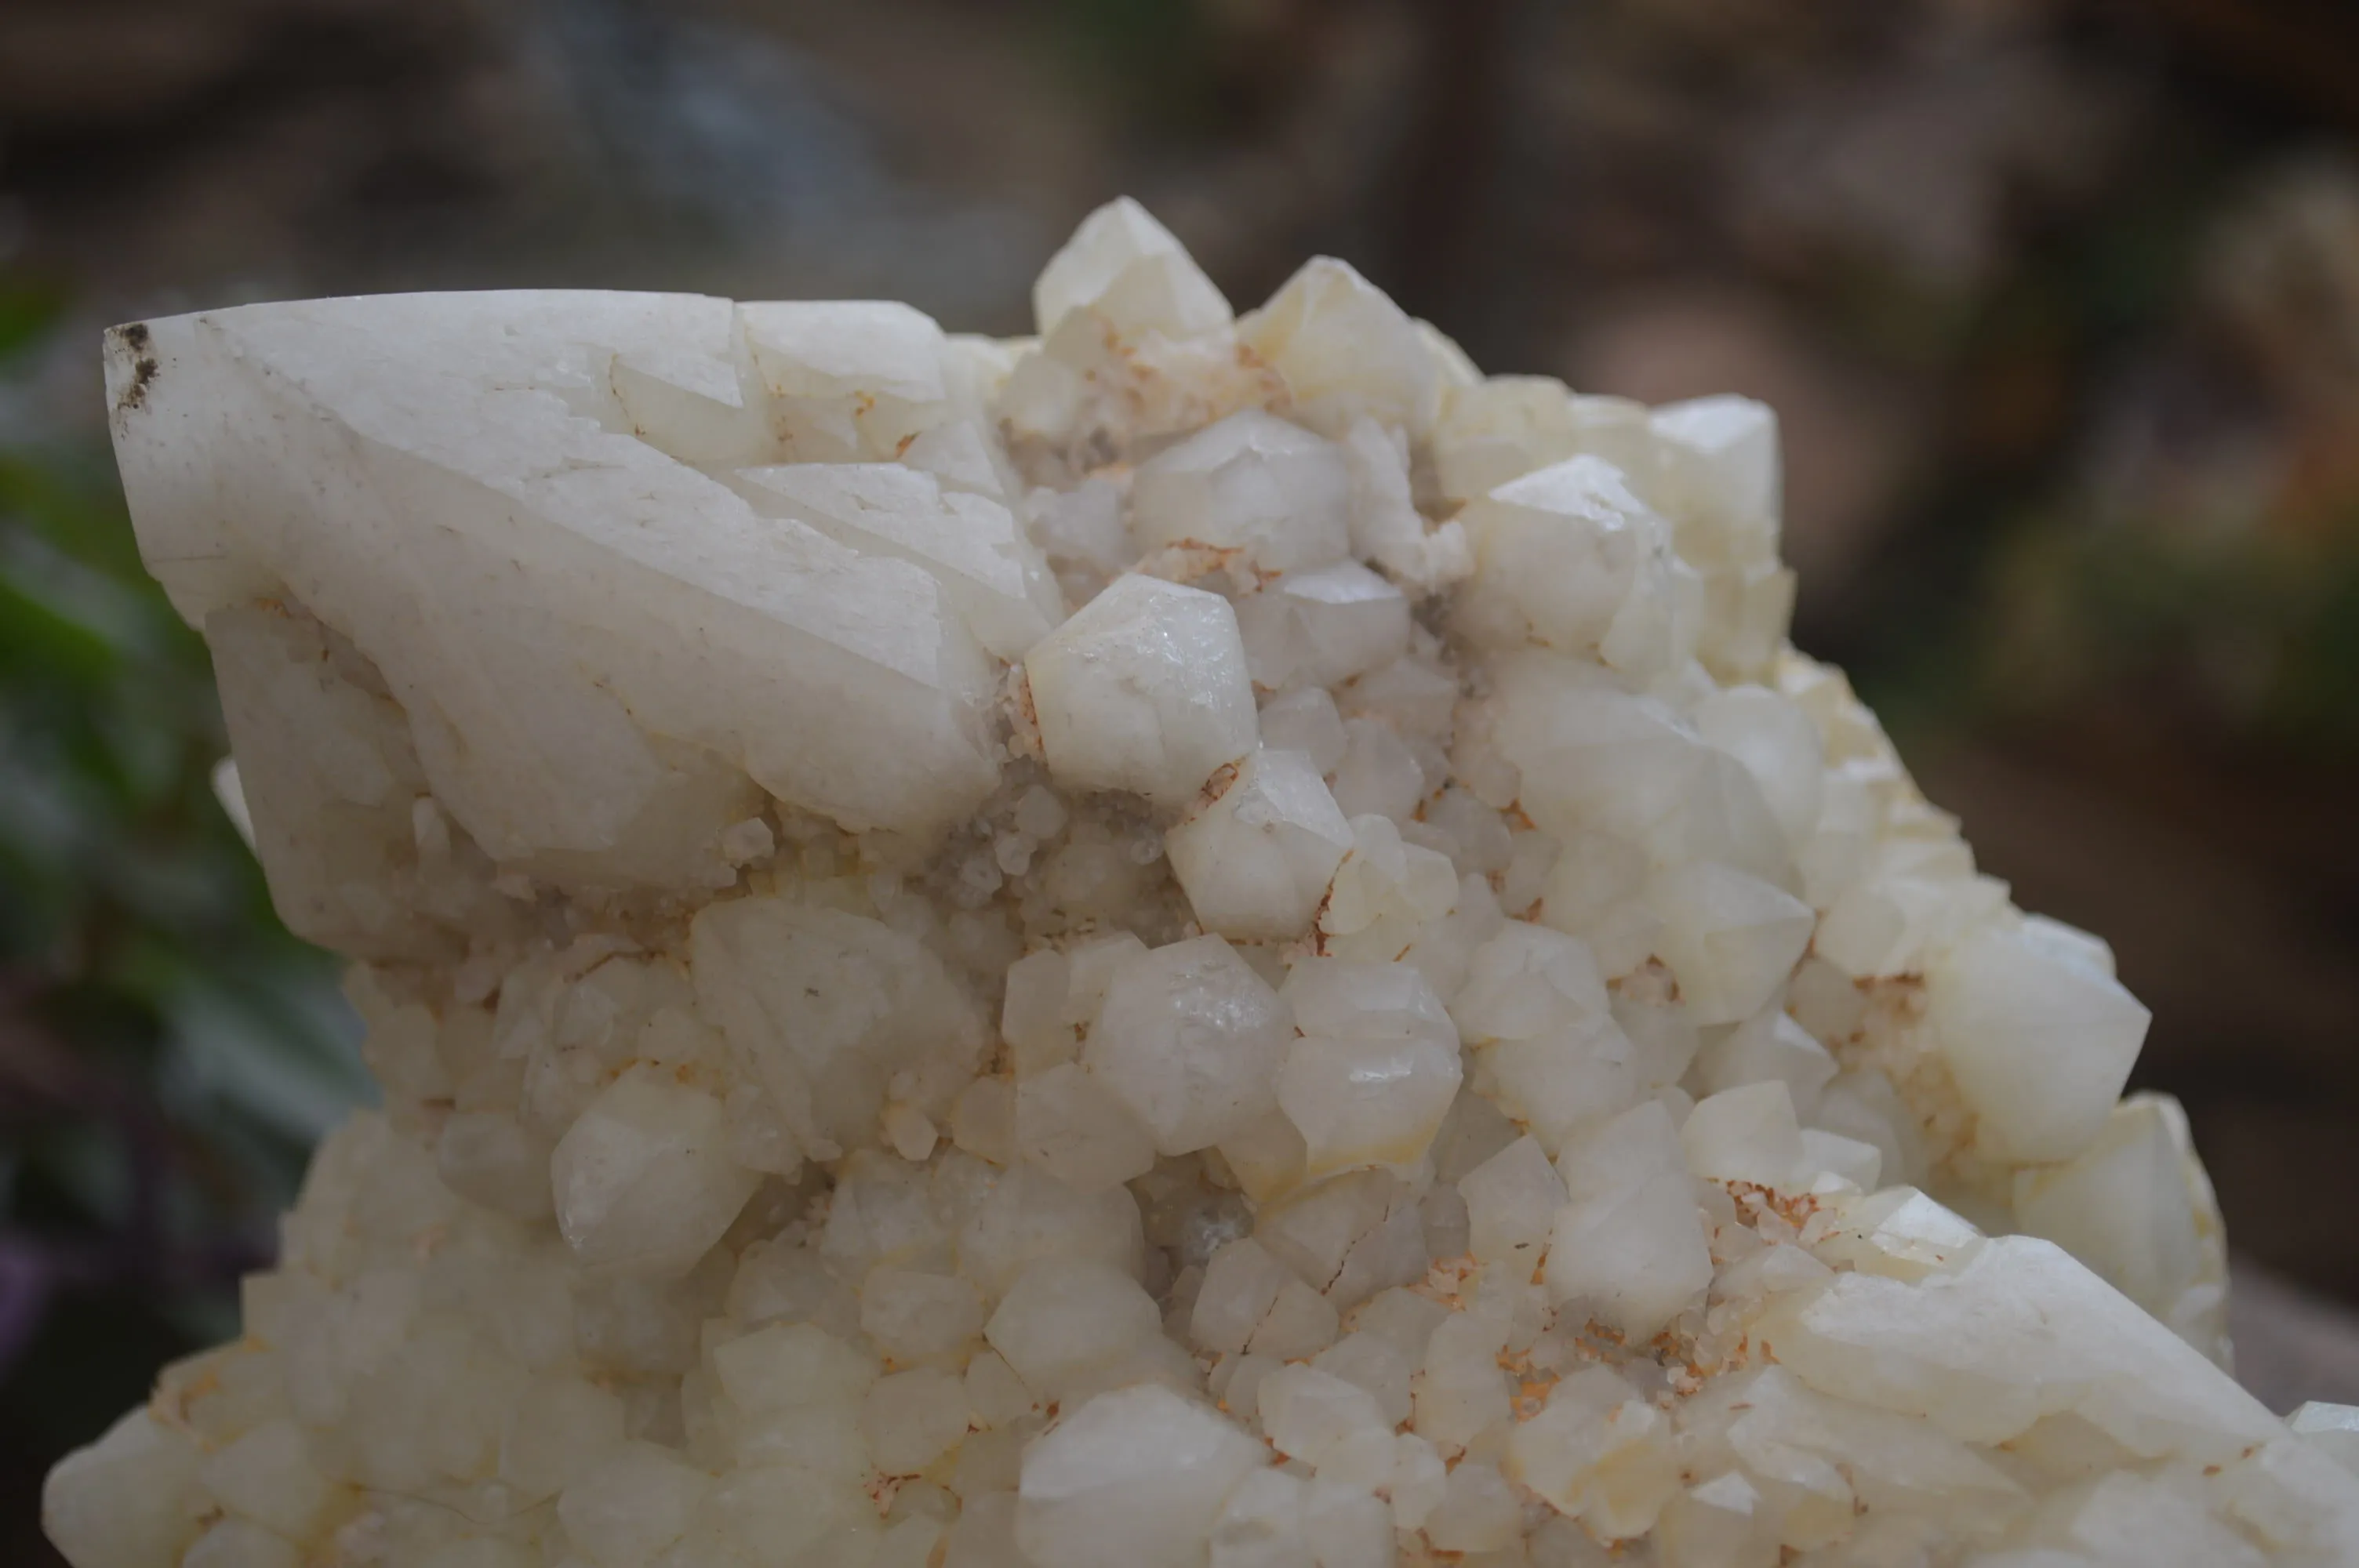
1194	942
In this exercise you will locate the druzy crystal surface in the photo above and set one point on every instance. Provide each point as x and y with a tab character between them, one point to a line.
1197	941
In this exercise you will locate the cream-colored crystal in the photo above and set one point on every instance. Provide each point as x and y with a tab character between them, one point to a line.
1198	942
1256	860
1143	689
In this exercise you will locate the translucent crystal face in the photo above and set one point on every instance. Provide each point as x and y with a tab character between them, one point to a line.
1197	941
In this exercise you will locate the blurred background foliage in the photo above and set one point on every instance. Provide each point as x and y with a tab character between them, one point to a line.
2058	301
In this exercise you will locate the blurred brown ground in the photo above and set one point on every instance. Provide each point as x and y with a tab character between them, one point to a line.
2059	303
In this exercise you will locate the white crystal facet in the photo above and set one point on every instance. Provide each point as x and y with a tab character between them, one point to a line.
1137	1475
644	1180
971	545
1190	1039
1145	689
1256	858
1127	268
1345	350
1375	1068
1322	627
2039	1046
1558	554
1271	492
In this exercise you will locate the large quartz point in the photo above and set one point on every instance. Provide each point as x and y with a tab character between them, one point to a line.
1204	941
